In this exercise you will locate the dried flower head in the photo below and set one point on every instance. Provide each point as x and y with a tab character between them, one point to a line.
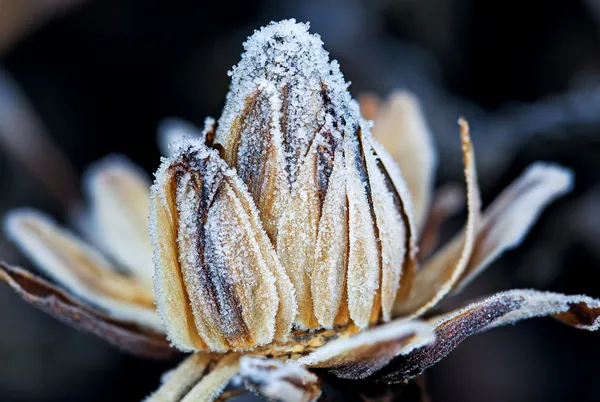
285	239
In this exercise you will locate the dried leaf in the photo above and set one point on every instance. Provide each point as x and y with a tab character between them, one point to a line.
120	200
438	276
81	269
401	128
501	309
128	336
508	219
278	381
359	356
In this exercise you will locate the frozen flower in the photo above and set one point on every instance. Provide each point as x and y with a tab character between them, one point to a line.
285	240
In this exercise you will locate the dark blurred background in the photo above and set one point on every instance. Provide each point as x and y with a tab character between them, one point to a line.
83	78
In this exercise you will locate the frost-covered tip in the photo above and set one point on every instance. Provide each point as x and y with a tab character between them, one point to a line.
287	217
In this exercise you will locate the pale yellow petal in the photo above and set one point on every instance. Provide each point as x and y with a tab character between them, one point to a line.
211	386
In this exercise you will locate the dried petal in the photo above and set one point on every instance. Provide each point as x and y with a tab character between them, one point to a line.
225	261
438	276
361	355
81	269
120	199
176	383
278	381
501	309
129	336
328	279
391	229
364	265
401	128
508	219
172	130
211	386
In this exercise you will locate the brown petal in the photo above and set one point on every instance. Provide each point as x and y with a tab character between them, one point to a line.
201	377
400	127
361	355
501	309
391	229
176	383
328	279
226	266
508	219
59	304
364	265
438	276
278	381
120	200
81	269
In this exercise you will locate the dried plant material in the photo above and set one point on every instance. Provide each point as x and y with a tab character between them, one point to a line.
328	279
401	128
278	381
81	269
225	262
129	336
176	383
501	309
215	381
361	355
508	219
120	201
449	200
438	276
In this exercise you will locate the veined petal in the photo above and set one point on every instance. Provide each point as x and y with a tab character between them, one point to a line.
328	279
508	219
120	200
278	381
199	378
401	128
128	336
391	230
442	271
361	355
81	269
364	265
501	309
226	266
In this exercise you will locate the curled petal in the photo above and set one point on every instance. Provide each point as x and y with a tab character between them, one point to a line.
361	355
508	219
120	199
278	381
81	269
129	336
438	276
501	309
214	261
400	127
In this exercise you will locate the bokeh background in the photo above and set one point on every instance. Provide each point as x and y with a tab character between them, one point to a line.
80	79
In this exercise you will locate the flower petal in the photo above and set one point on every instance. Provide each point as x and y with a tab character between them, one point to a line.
176	383
400	127
126	335
278	381
508	219
438	275
120	200
328	279
81	269
361	355
200	377
213	256
172	130
501	309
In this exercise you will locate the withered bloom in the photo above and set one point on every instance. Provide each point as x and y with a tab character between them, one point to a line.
286	239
